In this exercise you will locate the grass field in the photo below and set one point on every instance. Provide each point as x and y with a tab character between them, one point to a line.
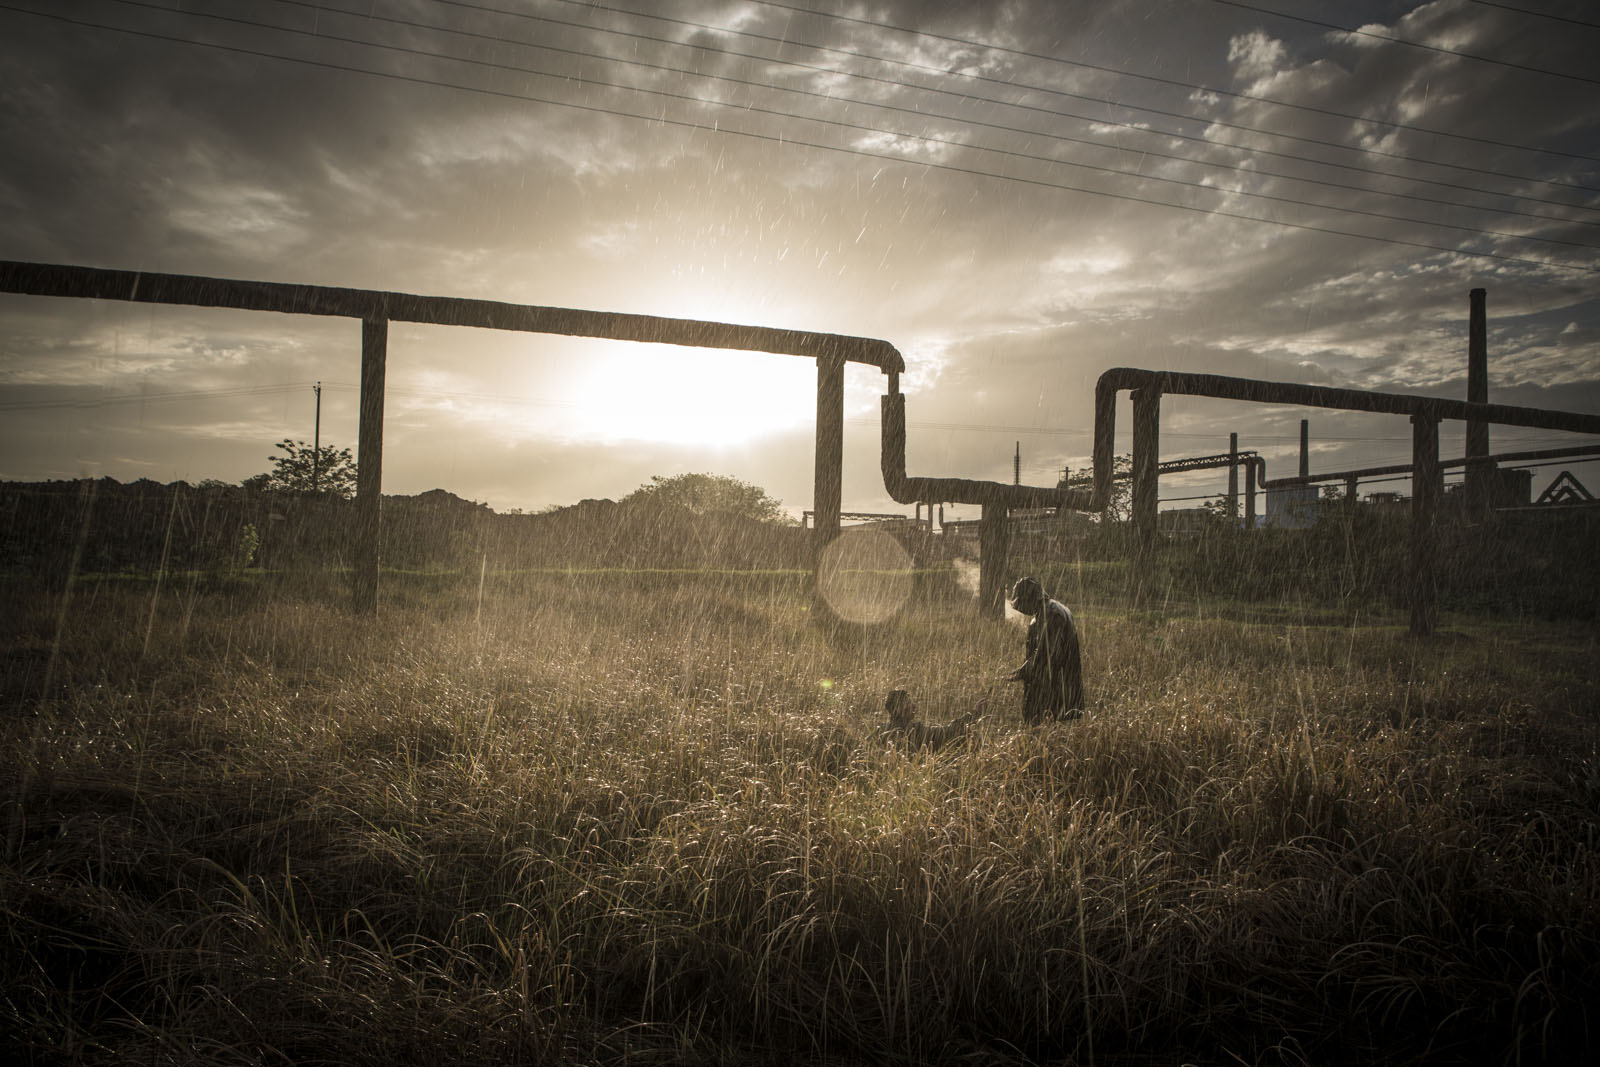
641	818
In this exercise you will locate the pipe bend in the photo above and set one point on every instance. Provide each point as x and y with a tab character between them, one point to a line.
1106	388
907	490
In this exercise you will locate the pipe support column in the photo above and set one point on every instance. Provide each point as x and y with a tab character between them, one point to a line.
1250	495
369	465
1233	477
1426	490
1479	497
828	478
994	549
1146	459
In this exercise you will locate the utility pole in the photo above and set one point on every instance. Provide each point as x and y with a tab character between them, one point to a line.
316	441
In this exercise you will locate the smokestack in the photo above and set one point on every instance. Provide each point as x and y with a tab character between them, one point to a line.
1016	466
1305	448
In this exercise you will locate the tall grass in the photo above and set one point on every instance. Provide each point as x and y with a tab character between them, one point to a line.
622	818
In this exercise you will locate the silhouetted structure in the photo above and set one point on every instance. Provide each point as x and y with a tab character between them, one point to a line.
376	309
1147	388
1565	491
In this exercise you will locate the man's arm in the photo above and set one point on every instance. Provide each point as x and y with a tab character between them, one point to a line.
1031	649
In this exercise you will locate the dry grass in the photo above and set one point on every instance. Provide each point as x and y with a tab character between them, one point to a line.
609	819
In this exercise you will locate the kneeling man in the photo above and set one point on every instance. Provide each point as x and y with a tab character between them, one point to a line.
1052	676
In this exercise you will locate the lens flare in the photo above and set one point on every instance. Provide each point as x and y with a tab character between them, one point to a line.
865	576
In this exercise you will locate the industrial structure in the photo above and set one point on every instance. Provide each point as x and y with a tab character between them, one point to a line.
375	310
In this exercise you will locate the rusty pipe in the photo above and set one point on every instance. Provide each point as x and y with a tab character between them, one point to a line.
50	279
905	490
1223	387
1406	468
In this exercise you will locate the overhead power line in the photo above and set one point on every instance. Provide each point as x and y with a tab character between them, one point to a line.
1133	126
1053	113
868	128
836	98
1540	14
1402	41
783	139
1020	53
1009	84
143	398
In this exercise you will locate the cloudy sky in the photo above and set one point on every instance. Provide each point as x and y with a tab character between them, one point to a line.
1018	195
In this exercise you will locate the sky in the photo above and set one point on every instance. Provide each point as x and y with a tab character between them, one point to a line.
1017	195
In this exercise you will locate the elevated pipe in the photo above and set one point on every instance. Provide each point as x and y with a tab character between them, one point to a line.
376	309
50	279
996	498
1223	387
904	489
1182	466
1424	412
1289	481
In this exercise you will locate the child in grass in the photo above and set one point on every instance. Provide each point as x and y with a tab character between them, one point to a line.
906	729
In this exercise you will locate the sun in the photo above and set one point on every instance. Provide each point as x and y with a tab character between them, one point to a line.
612	392
687	396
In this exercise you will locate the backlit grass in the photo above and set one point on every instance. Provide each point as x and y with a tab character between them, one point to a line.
641	818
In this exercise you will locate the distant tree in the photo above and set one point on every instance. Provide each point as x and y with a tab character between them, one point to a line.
244	553
1120	505
333	470
711	492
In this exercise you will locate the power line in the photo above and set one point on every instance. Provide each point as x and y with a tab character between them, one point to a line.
663	120
1401	40
867	128
835	98
140	398
1038	88
1539	14
1078	96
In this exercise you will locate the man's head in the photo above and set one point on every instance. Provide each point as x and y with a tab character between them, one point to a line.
900	708
1027	596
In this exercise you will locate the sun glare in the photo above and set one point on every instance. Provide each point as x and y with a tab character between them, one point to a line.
671	395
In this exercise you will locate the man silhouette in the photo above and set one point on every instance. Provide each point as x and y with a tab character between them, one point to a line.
1052	675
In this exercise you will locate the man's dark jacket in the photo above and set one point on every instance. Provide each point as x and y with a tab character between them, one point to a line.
1052	677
